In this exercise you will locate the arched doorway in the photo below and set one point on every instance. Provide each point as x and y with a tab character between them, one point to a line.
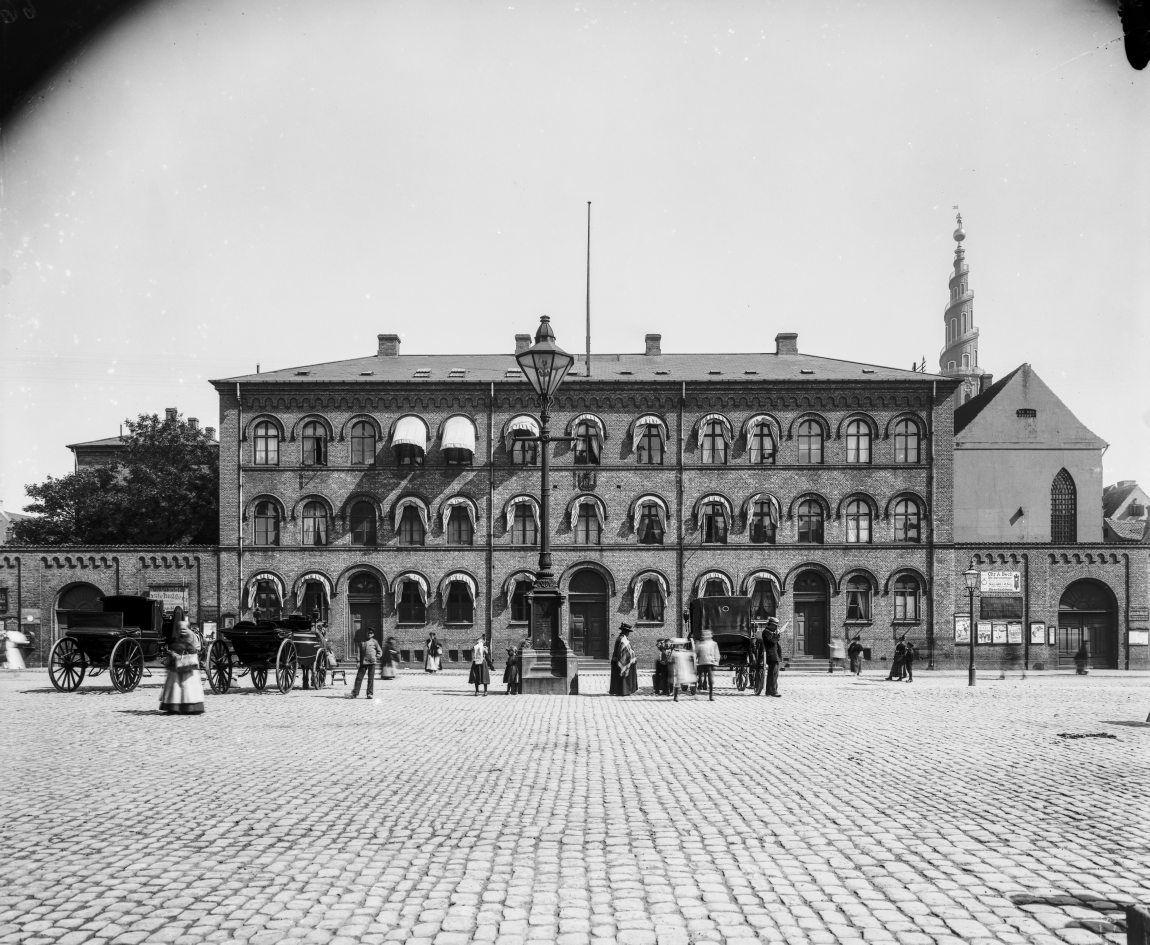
365	608
812	621
1088	613
587	605
79	596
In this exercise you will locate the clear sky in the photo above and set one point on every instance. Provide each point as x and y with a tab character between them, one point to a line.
209	186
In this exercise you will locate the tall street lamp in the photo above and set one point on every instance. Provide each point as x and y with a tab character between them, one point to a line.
971	575
546	667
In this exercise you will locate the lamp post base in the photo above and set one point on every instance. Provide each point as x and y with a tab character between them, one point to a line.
550	673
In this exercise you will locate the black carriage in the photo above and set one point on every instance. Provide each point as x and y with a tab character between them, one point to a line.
729	621
124	638
256	648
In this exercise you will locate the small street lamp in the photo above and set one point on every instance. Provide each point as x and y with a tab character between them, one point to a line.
971	575
545	665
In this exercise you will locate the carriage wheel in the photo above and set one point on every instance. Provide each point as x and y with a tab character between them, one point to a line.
126	665
319	671
757	679
219	667
287	665
259	676
66	665
741	678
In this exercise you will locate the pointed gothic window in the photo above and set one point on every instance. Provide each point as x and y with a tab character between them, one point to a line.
1063	509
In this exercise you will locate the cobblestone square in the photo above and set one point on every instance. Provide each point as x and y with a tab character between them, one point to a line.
850	810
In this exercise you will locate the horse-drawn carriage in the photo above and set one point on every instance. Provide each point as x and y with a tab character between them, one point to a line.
255	648
728	620
125	638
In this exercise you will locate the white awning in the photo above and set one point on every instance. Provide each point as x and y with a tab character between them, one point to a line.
724	424
708	500
459	434
591	419
254	581
415	503
772	503
702	579
750	579
641	425
760	418
455	502
321	579
453	578
412	578
595	502
410	431
523	423
643	576
509	512
513	579
637	509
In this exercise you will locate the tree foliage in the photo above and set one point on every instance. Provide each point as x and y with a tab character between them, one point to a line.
164	491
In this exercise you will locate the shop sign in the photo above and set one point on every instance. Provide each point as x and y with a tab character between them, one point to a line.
961	629
173	596
1000	582
1140	637
1037	632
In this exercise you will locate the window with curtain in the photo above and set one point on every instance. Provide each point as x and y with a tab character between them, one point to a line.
858	592
524	531
714	444
858	442
314	444
460	606
459	530
520	605
713	523
587	445
411	531
764	602
764	522
407	454
810	442
858	518
587	528
906	597
524	451
1063	509
266	529
650	605
362	443
266	444
907	521
362	522
650	525
410	607
314	531
715	587
810	522
906	442
650	452
762	444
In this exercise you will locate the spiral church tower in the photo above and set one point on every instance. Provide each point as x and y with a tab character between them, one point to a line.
959	357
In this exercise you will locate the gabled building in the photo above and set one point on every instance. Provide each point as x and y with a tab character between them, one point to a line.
1125	511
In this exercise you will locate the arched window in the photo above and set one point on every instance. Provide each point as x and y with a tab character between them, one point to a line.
266	444
713	523
524	451
458	443
411	606
858	522
761	444
810	441
858	598
953	328
764	600
520	605
524	530
964	323
650	606
810	522
362	521
362	443
588	528
411	529
650	528
649	445
713	441
858	442
764	521
715	587
907	521
314	444
965	361
459	530
314	531
588	444
906	598
267	523
906	442
460	606
1063	509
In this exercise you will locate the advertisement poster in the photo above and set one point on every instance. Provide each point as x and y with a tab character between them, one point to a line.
984	631
1014	633
1140	637
962	629
1051	636
998	633
1000	582
1037	632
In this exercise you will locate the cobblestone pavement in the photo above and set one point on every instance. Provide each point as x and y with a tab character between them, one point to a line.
847	811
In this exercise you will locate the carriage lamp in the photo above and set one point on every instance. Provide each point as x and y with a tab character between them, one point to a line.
971	576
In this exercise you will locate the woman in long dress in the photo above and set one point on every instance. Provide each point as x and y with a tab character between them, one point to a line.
480	674
13	640
433	652
183	692
390	659
624	672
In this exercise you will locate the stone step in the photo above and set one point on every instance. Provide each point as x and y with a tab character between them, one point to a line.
589	665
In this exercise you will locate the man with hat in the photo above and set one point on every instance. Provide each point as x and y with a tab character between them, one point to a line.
773	655
706	659
624	672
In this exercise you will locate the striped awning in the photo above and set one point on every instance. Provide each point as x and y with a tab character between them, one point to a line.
644	500
410	431
643	577
513	580
509	511
456	577
712	499
254	582
316	576
702	579
458	501
772	504
523	424
750	579
641	425
724	425
595	502
459	434
418	580
411	502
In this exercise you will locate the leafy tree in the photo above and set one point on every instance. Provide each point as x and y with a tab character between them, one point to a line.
165	491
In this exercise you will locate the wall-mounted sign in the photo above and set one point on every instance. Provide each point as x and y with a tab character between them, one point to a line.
1051	636
30	615
998	633
1014	633
1140	613
173	595
961	629
1037	632
1000	582
1140	637
984	631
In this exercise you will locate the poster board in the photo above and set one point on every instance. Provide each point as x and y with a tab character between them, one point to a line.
998	633
984	631
1037	632
1000	582
1014	633
962	628
1140	637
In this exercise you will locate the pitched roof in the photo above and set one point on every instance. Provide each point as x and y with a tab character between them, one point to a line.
440	368
1113	496
111	441
973	407
1127	529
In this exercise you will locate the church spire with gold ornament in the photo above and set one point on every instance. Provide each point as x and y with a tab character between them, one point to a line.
959	357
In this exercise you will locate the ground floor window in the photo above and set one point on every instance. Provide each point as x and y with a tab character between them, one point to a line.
906	599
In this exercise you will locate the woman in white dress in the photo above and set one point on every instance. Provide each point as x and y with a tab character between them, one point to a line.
13	640
433	653
183	692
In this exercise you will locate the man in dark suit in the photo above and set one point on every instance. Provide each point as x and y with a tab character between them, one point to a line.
773	653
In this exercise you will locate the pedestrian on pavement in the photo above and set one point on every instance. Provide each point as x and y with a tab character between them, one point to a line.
183	691
624	669
433	652
855	654
480	674
838	654
706	659
389	660
370	653
896	663
1081	658
661	677
511	672
774	656
908	657
14	641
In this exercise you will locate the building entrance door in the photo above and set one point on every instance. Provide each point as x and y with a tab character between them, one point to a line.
587	606
365	610
1088	613
811	618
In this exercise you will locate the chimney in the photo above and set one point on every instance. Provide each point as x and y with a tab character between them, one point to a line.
984	381
194	422
211	432
170	413
654	345
786	342
388	346
522	343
